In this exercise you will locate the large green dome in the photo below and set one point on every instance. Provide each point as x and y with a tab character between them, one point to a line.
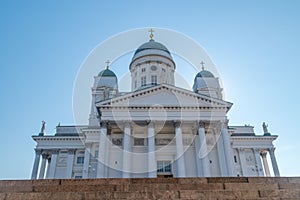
107	72
152	45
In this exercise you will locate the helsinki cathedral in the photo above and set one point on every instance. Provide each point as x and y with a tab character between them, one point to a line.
155	130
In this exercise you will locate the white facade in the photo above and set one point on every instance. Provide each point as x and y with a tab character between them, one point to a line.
158	129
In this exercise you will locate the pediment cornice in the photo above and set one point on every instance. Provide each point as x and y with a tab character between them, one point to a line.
207	102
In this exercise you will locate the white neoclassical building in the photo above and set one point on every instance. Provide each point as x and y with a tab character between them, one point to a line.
156	130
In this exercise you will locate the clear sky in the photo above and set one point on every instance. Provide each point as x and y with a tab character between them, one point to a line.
254	44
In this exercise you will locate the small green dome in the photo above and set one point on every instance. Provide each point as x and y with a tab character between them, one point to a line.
205	74
107	72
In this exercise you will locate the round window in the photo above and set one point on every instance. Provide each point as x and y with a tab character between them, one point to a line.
153	68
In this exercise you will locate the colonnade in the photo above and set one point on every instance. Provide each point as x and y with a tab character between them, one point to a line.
263	154
202	161
225	154
48	164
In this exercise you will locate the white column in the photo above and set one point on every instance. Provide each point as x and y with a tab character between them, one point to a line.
200	172
260	171
228	150
101	152
43	166
86	162
152	173
70	162
179	150
274	162
265	162
107	152
53	164
242	158
36	163
221	154
202	153
126	151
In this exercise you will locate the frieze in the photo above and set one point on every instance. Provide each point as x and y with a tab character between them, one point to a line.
117	141
163	141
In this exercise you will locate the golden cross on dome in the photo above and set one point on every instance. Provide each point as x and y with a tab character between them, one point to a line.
151	33
107	64
202	63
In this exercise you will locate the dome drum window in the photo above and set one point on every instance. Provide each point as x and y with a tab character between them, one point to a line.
153	68
153	80
143	80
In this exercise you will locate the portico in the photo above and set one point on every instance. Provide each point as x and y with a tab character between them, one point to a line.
169	141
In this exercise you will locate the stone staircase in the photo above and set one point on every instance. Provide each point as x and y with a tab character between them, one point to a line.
154	188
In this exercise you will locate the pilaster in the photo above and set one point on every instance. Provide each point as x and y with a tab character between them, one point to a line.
228	149
70	162
258	162
221	154
54	155
241	152
87	153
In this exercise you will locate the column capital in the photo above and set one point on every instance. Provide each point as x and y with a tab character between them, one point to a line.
126	124
272	149
71	151
38	151
54	151
241	149
177	123
103	123
225	123
201	124
45	155
263	153
257	150
150	123
88	145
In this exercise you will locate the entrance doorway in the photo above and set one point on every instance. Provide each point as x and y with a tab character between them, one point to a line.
164	169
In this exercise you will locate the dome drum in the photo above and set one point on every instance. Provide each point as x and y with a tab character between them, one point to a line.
153	59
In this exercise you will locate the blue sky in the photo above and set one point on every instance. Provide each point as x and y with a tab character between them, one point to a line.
254	44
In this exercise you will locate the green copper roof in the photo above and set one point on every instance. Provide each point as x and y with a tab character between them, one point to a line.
205	74
107	72
152	45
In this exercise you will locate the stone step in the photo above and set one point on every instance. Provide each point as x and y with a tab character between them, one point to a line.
155	188
181	194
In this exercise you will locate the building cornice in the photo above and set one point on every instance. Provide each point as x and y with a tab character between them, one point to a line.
253	138
57	138
194	108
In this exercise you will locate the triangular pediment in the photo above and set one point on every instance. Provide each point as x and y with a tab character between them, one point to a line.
164	96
